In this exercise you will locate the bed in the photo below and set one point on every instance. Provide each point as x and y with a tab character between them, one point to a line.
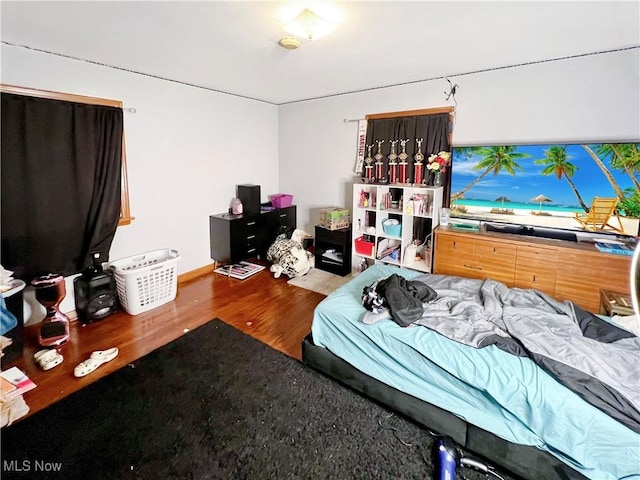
491	402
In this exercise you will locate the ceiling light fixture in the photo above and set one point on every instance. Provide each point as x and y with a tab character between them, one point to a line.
308	24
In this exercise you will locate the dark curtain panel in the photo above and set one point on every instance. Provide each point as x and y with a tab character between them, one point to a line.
60	180
434	129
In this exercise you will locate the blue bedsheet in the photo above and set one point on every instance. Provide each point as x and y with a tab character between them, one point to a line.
498	392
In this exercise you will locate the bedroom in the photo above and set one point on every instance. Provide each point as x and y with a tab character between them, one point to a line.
202	143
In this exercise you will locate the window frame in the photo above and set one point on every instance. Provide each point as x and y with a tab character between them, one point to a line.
125	208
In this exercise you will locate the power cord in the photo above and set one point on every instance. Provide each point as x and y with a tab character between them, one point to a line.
394	430
467	462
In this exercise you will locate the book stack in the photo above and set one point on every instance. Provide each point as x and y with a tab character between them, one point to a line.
615	248
13	384
240	270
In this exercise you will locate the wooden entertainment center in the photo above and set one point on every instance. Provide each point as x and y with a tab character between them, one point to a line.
566	270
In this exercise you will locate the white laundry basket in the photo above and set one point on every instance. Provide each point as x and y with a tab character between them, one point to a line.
147	280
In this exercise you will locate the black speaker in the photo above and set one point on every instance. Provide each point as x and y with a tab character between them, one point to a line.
249	195
95	293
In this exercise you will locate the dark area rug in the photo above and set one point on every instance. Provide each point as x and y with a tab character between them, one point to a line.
217	404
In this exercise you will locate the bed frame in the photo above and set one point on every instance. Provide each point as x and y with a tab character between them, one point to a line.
524	461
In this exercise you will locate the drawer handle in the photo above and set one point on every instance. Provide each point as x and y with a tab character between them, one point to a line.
494	250
283	215
251	250
534	279
250	224
251	237
472	267
454	244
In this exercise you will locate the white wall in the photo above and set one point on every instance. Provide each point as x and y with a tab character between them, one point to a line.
187	149
594	98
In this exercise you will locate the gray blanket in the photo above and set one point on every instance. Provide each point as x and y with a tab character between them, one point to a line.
592	357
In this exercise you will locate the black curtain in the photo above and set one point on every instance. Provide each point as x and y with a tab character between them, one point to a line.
61	183
433	129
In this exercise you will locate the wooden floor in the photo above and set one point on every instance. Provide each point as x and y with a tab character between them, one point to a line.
266	308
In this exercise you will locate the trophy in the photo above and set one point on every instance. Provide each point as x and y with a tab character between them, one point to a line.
403	161
379	165
393	166
368	170
417	167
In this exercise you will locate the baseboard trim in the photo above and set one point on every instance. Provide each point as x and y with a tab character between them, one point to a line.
193	274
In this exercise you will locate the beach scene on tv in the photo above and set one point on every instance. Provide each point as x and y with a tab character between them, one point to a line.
583	187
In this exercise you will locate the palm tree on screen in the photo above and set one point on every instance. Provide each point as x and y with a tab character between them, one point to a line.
557	163
494	160
624	157
605	171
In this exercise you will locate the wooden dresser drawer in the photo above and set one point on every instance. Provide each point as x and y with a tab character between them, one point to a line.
581	276
452	255
535	269
495	260
475	258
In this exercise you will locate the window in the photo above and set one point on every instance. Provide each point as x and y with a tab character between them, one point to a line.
125	211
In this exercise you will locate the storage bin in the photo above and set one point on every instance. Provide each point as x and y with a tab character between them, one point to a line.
281	200
363	247
392	227
334	218
147	280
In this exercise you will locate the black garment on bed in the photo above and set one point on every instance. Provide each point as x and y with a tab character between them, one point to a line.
404	298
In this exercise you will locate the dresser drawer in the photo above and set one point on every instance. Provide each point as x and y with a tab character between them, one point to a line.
495	260
474	258
534	270
247	231
282	220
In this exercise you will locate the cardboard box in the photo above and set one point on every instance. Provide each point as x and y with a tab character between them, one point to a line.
334	218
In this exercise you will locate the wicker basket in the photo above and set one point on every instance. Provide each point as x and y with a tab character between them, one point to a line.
146	281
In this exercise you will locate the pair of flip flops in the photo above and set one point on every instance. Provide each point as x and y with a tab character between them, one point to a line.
96	359
48	358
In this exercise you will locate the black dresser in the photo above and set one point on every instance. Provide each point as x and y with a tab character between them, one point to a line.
239	237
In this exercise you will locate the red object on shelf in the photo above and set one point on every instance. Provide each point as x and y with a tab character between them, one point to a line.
363	247
281	200
417	175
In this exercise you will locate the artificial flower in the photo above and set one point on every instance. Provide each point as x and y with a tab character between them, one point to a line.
439	162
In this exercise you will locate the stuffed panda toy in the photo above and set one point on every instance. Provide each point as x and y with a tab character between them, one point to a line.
288	256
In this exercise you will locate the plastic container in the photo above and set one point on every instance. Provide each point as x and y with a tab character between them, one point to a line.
281	200
363	247
392	227
146	281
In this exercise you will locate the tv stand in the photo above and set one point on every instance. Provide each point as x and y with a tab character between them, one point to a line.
566	270
541	232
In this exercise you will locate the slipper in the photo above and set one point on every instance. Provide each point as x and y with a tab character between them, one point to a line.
43	355
109	354
96	359
47	359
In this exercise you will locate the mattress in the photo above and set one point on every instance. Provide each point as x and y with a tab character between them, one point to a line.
498	392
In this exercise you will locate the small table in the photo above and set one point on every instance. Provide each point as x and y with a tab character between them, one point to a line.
615	303
333	250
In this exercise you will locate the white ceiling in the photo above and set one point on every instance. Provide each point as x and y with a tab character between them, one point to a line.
232	46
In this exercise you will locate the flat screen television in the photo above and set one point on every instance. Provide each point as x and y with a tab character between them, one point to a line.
548	189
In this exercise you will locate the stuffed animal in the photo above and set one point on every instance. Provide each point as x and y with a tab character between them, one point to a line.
288	255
